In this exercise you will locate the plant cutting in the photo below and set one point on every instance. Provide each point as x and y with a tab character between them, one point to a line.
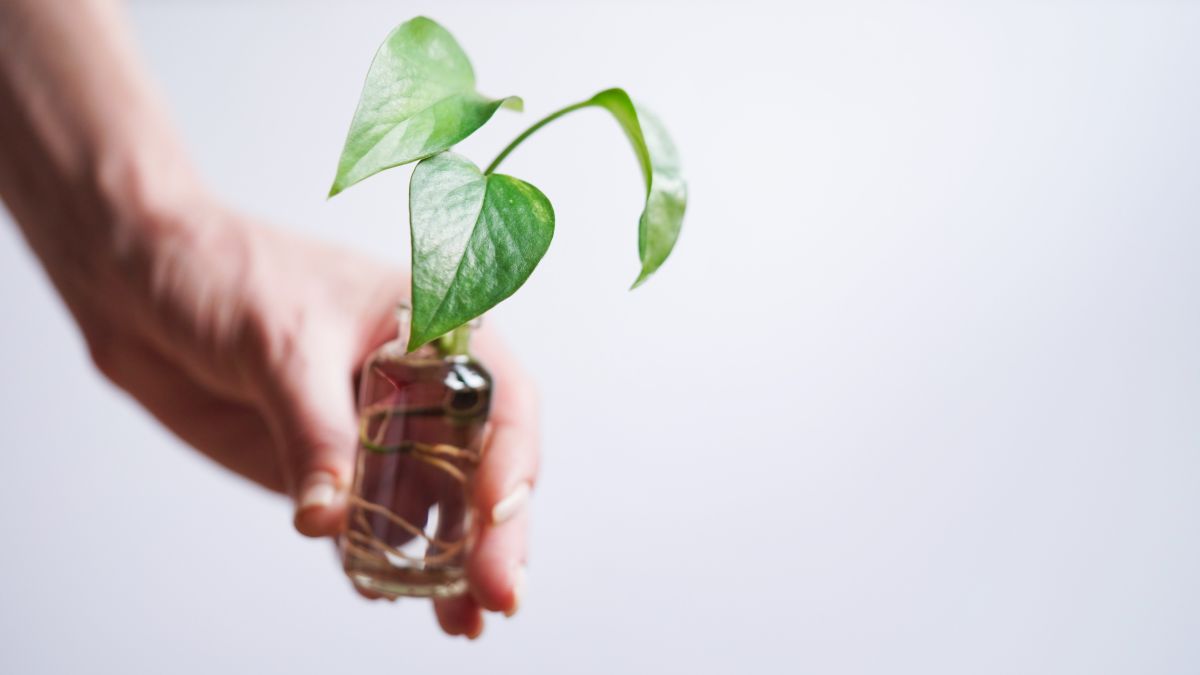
476	235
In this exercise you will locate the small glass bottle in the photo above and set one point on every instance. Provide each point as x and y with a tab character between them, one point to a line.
421	422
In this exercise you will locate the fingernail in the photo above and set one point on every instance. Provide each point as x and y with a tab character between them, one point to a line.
509	506
318	491
518	590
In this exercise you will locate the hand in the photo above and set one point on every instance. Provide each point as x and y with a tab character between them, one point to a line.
245	341
241	339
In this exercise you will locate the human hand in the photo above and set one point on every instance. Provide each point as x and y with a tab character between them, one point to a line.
242	339
245	342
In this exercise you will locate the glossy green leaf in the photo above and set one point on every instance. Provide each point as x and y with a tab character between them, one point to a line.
666	191
475	239
418	100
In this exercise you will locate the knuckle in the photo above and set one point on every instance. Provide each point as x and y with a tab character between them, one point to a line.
104	360
104	353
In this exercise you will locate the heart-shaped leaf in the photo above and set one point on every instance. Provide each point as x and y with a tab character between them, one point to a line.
666	191
419	99
475	239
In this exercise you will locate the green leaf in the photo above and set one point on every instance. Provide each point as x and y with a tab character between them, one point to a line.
475	239
419	99
666	191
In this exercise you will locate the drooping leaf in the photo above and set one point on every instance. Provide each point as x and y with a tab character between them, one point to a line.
418	100
666	191
475	239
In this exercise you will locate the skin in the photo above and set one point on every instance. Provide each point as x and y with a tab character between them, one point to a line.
215	322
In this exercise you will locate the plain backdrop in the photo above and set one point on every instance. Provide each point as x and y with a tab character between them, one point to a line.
917	392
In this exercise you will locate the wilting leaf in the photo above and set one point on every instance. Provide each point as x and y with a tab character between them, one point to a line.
666	191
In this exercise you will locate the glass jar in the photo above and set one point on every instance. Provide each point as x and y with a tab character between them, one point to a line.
421	422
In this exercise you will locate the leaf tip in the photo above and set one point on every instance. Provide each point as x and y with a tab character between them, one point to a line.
421	20
642	278
515	103
415	342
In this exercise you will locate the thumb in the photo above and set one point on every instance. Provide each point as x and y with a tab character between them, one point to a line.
310	405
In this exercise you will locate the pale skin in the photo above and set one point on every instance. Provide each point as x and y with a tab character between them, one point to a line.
241	338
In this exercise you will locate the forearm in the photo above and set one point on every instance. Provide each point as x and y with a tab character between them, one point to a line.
89	166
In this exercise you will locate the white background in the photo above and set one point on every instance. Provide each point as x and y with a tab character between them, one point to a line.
917	393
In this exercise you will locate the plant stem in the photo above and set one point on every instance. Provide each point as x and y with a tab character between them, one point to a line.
457	342
529	132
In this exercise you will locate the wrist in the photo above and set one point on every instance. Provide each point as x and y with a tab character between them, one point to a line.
147	203
91	168
150	207
143	193
101	238
138	201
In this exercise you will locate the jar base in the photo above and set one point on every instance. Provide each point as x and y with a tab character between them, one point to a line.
409	583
